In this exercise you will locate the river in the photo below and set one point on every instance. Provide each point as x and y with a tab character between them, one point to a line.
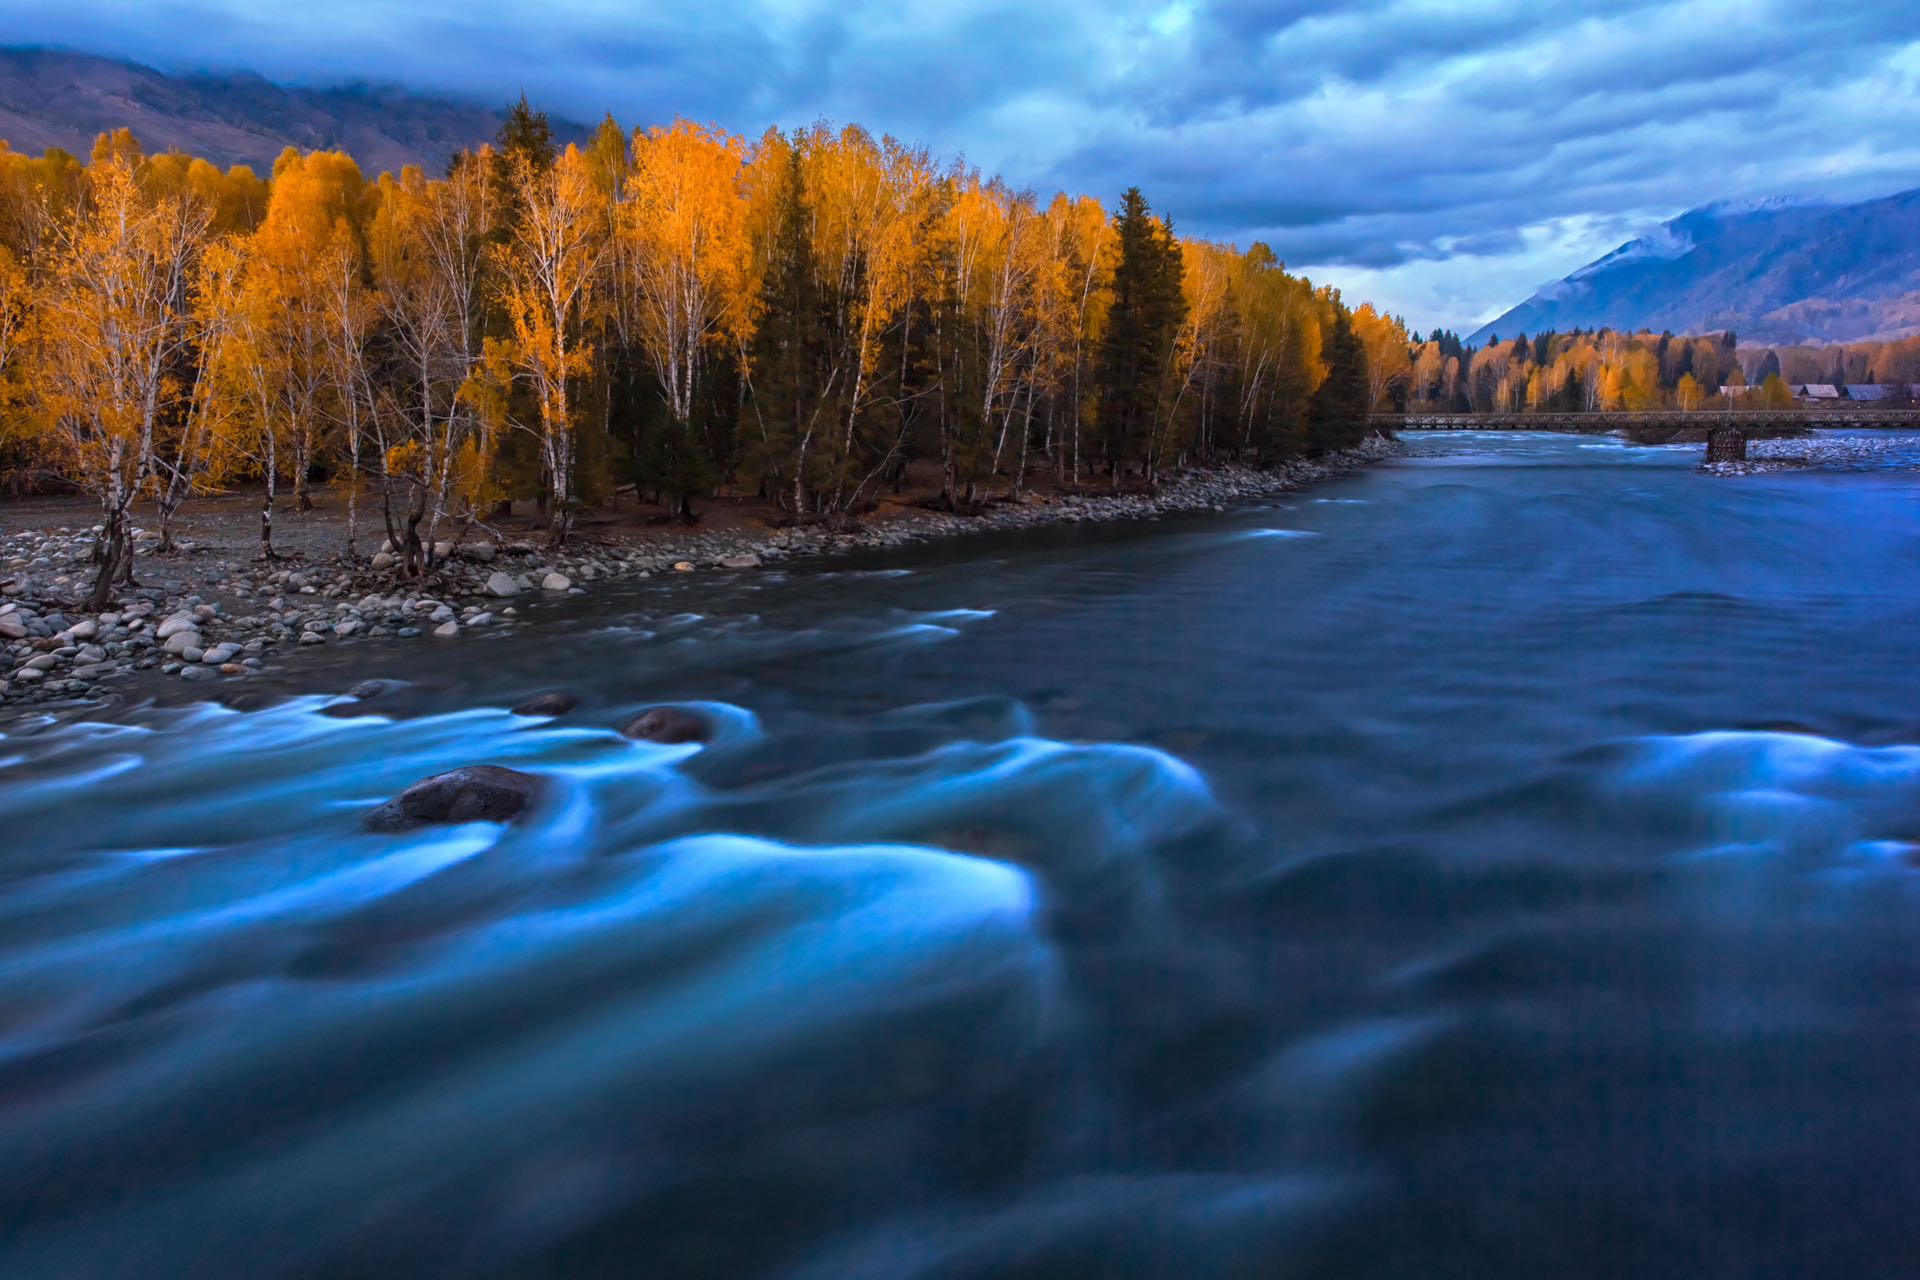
1497	863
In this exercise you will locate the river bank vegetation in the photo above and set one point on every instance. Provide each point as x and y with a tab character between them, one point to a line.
677	310
1608	371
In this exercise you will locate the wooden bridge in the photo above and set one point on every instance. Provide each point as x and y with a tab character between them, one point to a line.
1674	420
1726	429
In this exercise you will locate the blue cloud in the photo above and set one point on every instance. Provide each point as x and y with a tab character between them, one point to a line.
1443	157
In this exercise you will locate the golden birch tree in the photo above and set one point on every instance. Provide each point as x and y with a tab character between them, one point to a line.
116	320
427	242
690	257
1084	245
1389	360
545	274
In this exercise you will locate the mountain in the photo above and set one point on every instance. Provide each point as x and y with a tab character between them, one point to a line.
1778	272
55	98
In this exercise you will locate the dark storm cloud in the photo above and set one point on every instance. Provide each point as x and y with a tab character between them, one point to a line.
1445	155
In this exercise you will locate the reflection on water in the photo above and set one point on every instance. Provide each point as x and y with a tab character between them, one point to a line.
1503	864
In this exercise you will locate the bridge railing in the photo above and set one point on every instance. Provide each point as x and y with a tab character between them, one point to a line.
1861	415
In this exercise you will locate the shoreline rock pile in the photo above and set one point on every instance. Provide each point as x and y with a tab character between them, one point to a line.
247	614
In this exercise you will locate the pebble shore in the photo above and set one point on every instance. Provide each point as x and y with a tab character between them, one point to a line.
1879	451
247	615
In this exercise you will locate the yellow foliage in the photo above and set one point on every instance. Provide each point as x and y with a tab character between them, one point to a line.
1687	391
873	206
115	313
546	271
189	324
1389	361
686	218
408	459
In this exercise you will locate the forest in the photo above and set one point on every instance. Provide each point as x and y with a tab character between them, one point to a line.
677	311
1609	371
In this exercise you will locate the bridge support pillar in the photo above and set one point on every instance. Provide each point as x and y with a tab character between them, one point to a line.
1726	444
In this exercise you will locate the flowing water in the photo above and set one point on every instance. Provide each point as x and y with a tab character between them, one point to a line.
1497	863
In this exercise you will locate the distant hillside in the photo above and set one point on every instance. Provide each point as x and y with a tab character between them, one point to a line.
52	98
1775	271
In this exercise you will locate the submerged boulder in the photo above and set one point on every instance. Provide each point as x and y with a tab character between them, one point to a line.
557	703
475	793
670	725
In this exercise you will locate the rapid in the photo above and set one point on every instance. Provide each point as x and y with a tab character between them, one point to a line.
1501	862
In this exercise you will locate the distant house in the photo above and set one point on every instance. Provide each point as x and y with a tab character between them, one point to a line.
1868	391
1817	391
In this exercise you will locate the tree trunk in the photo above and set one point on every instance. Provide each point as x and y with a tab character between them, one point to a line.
416	551
1020	453
800	473
302	459
164	508
115	558
353	500
126	555
266	510
560	511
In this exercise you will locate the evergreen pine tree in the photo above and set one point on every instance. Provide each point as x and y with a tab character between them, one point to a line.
1145	316
1337	415
1571	398
528	132
789	356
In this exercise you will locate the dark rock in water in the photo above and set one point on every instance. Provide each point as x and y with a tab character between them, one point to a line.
372	689
980	841
246	700
671	725
476	793
547	704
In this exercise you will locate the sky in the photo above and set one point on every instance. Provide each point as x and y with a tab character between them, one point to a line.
1443	158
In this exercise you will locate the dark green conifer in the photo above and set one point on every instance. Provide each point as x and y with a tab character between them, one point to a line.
1142	323
528	132
1337	414
790	359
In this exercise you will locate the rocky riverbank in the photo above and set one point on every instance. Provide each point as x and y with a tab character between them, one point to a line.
229	618
1863	451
